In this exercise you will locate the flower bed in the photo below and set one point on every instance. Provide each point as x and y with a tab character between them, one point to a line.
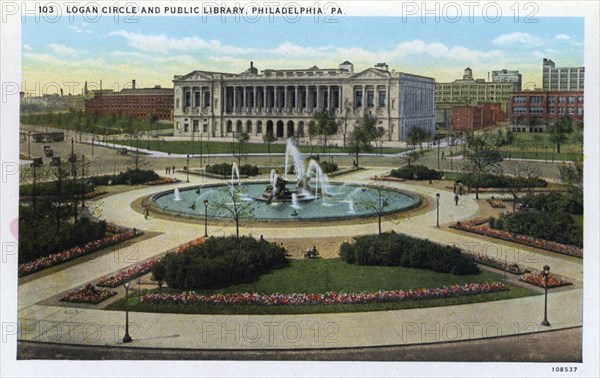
162	181
127	274
496	203
387	178
193	243
538	280
120	234
332	298
88	294
94	194
480	226
497	263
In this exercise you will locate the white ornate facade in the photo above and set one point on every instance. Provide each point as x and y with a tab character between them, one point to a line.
283	102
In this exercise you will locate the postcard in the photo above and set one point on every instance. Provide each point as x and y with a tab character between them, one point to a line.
387	188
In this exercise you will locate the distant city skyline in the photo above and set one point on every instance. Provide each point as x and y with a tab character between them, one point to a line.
154	49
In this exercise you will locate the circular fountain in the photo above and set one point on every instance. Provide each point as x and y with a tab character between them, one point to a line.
302	192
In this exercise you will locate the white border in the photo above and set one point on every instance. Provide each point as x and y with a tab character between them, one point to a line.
11	72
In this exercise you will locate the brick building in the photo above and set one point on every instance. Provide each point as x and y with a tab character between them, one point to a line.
532	110
471	118
139	103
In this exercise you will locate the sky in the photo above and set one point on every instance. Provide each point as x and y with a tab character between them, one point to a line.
154	49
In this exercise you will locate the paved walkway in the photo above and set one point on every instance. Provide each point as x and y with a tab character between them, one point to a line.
469	321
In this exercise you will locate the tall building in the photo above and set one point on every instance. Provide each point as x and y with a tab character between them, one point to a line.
468	92
532	110
506	76
562	78
135	102
283	102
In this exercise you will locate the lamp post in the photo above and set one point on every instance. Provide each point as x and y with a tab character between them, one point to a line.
205	218
437	208
187	169
127	338
545	273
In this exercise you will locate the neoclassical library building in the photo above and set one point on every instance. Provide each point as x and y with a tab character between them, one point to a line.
283	102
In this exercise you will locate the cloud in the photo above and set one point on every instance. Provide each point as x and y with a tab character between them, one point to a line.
77	29
516	38
27	47
160	43
62	49
562	37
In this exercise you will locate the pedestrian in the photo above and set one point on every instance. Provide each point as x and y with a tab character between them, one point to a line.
456	200
442	155
146	212
173	170
454	187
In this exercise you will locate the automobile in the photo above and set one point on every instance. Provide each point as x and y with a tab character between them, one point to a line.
122	151
37	162
55	161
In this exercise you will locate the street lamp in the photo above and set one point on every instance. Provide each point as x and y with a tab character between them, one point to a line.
437	208
205	218
545	273
187	169
127	338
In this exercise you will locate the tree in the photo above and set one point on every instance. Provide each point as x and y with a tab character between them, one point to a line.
242	139
376	200
559	132
268	138
572	176
345	118
481	158
363	134
234	205
323	124
417	135
523	175
412	156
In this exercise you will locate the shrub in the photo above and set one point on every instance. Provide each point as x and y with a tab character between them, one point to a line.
498	181
42	237
129	177
416	172
220	262
390	249
554	202
554	226
51	188
328	167
224	169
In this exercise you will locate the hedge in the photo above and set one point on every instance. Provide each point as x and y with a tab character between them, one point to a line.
497	181
328	167
220	262
224	169
44	238
416	172
548	225
129	177
553	202
390	249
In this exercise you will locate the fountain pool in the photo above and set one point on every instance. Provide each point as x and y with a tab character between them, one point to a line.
342	201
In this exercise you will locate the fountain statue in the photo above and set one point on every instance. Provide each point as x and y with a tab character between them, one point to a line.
176	195
277	190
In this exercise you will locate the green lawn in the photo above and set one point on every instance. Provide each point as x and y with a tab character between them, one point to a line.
186	147
99	125
538	146
320	276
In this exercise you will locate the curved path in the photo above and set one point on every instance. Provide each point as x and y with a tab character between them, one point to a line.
463	322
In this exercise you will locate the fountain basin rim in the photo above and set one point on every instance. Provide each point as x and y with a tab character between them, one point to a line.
417	202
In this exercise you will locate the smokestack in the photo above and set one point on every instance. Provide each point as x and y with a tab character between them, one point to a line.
133	84
61	92
251	64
